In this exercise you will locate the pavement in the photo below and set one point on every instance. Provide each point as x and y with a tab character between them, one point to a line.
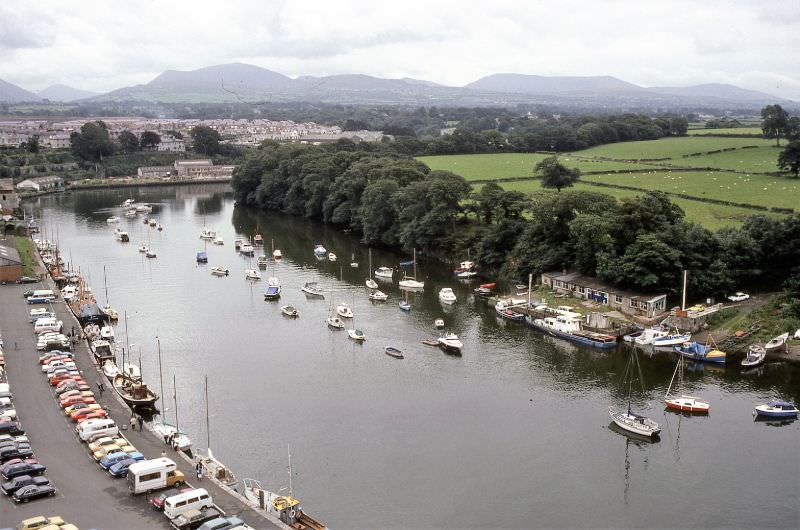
87	495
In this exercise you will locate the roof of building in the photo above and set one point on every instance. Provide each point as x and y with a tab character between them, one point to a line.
6	184
51	179
9	253
591	282
198	162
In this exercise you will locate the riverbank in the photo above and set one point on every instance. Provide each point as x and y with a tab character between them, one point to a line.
124	182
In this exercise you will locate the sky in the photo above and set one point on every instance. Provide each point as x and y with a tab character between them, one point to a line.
104	45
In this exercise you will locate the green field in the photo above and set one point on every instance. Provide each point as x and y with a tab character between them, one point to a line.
712	216
762	159
753	131
668	147
509	165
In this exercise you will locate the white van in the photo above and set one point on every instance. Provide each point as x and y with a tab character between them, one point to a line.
155	474
88	428
47	324
183	502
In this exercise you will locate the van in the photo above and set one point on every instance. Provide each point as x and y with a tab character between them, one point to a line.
41	296
155	474
89	428
43	325
183	502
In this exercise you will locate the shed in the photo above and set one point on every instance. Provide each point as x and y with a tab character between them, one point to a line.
10	262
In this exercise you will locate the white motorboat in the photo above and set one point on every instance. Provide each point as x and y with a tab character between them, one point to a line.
110	312
378	296
262	261
634	423
247	249
447	296
320	250
755	356
150	254
344	311
335	322
107	333
219	271
411	283
130	213
143	248
384	272
252	274
113	219
356	334
179	439
776	343
648	336
290	311
145	208
276	254
439	323
219	241
331	256
371	284
672	339
208	234
110	369
450	342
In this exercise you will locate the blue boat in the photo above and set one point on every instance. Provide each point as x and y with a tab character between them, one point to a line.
407	263
701	352
567	326
405	306
202	257
273	292
776	409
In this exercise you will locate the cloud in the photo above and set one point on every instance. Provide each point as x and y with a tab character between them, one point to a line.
100	46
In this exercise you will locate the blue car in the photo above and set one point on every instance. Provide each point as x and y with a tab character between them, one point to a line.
114	458
120	469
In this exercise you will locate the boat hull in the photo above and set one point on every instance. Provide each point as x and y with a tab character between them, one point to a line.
573	338
687	405
763	411
635	424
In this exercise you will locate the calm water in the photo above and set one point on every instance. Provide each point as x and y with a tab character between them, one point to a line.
513	434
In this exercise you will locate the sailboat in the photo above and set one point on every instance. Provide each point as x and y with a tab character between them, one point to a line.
684	403
251	273
149	253
372	284
211	466
108	310
353	262
355	334
133	390
411	282
334	321
629	420
276	252
273	291
405	305
168	431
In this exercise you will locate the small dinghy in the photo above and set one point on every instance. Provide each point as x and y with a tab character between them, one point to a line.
252	274
331	256
335	322
439	324
313	289
485	289
776	409
430	342
372	284
290	311
378	296
393	352
404	305
357	335
755	356
219	271
776	343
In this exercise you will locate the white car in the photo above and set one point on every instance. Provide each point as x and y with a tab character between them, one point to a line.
738	297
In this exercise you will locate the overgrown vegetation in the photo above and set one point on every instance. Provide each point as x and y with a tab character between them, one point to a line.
25	249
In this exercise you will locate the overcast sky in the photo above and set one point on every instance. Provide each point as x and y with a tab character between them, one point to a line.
103	45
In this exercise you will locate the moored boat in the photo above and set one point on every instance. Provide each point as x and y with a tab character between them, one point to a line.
356	335
113	219
378	296
290	311
167	431
671	339
219	271
485	289
262	261
122	236
335	322
776	409
568	326
684	403
150	254
649	335
701	352
134	391
447	296
252	274
201	257
438	323
207	234
450	342
384	272
331	256
313	289
320	250
247	249
776	343
344	311
273	291
755	356
391	351
276	254
219	241
258	239
634	423
503	310
371	284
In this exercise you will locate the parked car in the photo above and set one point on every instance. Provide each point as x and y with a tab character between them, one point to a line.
87	414
158	500
222	523
698	307
34	523
27	279
104	441
78	398
16	483
120	469
111	449
76	383
738	297
15	451
18	466
11	427
33	491
109	460
20	438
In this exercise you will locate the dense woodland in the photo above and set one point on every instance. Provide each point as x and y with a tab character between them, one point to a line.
391	199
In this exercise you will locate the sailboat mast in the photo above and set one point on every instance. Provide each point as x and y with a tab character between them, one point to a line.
208	422
289	451
175	401
105	282
127	342
160	368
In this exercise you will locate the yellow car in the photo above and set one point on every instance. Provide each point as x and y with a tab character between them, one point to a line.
698	307
107	440
40	522
72	408
108	449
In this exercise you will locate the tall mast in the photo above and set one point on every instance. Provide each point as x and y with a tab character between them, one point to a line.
127	343
105	282
289	451
175	400
208	423
160	372
415	263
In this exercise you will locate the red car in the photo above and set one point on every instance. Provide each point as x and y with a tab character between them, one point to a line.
80	414
71	400
56	379
93	415
79	384
49	360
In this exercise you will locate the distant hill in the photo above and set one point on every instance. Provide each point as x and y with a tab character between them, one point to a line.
12	93
717	90
65	93
237	82
537	84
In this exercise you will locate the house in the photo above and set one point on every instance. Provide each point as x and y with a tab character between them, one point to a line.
592	289
56	141
9	200
10	262
201	168
154	171
50	183
171	144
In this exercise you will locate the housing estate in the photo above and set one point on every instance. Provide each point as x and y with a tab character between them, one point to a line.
187	169
50	183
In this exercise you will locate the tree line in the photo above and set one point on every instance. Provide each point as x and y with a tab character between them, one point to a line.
778	124
390	199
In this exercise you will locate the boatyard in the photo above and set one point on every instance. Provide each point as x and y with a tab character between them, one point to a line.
418	374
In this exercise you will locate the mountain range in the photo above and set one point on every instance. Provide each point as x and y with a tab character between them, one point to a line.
238	82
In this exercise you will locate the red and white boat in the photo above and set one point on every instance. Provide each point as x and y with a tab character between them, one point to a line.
684	403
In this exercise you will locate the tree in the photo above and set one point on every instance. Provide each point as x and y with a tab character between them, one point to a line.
556	175
775	122
648	264
174	134
487	200
205	140
93	142
789	159
128	143
149	140
31	145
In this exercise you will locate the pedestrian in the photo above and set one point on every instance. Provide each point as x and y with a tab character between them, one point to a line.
141	421
100	387
133	422
15	345
163	453
199	469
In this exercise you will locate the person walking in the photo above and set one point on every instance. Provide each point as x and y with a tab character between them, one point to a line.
199	469
100	387
133	422
141	421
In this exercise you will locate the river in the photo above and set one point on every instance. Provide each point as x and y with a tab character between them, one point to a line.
512	434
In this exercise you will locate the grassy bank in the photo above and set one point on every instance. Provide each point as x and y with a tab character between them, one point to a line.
25	249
